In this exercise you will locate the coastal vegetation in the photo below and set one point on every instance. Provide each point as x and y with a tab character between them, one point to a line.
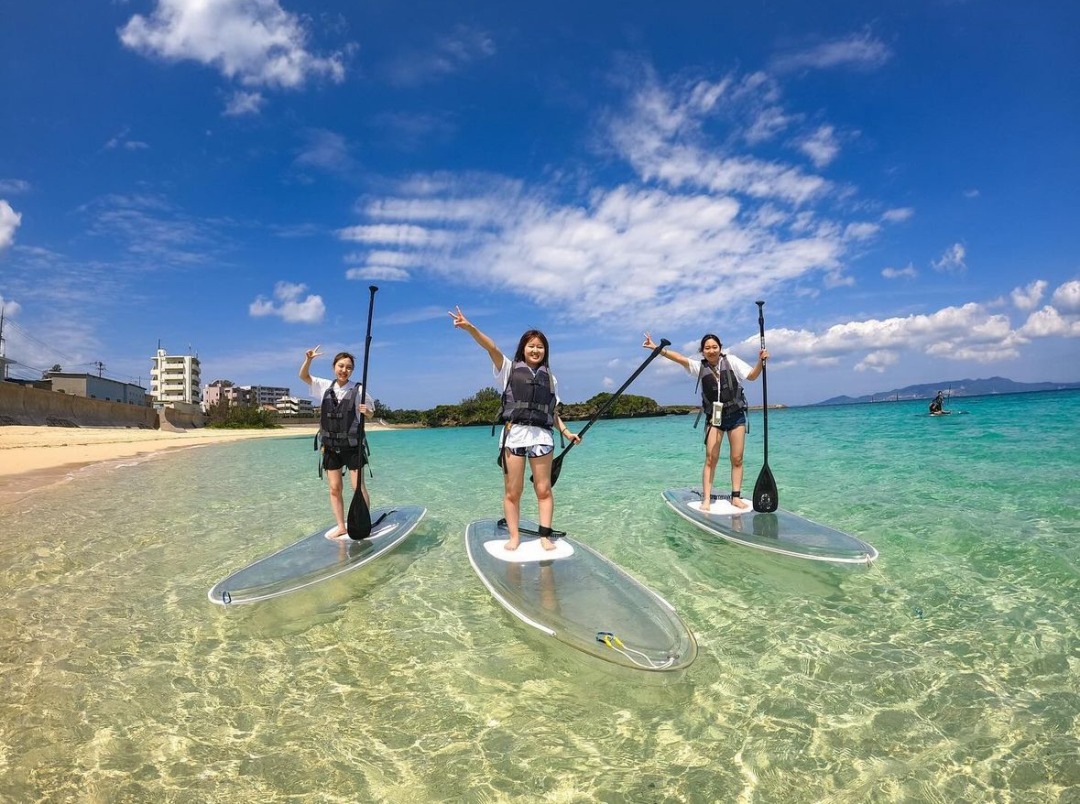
482	408
224	415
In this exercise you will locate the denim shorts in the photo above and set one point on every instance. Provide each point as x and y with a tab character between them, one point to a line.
729	423
535	451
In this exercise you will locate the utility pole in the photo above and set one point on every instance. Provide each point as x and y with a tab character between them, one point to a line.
100	367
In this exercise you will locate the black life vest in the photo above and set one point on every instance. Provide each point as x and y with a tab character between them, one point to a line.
529	397
721	386
338	423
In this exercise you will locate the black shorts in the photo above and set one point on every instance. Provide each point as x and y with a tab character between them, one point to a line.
348	458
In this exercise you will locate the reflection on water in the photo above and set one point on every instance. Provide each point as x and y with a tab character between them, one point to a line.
945	672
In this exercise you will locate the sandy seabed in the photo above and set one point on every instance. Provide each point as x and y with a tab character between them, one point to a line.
35	457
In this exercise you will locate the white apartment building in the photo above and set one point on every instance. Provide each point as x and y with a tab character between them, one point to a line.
294	406
174	379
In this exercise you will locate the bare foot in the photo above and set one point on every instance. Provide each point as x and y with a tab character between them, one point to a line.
546	543
337	533
704	507
512	543
739	502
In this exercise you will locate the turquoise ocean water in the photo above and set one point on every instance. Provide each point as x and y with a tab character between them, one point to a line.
947	671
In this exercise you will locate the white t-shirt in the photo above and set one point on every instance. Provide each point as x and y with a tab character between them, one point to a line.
523	435
318	387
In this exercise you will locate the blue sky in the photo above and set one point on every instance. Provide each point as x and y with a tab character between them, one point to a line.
897	181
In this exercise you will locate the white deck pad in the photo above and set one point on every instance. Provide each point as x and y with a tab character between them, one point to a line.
722	507
529	550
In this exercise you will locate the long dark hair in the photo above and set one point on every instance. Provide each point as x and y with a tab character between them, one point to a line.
519	355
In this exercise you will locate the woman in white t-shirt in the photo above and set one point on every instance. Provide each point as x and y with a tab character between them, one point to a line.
722	399
529	415
342	438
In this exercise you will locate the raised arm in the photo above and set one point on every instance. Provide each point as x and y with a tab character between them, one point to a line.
669	353
309	355
488	345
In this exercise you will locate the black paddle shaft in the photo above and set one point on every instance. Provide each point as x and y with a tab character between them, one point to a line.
766	495
764	381
556	465
359	520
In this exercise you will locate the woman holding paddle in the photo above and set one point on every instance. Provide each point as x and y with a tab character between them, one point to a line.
529	415
342	407
724	404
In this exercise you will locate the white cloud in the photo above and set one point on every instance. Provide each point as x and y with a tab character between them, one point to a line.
449	54
692	231
386	273
1028	297
1067	297
968	332
897	215
9	306
952	260
660	136
821	146
291	307
325	150
241	103
628	253
861	230
396	235
254	42
14	186
10	220
396	259
877	361
122	140
1049	322
860	51
907	272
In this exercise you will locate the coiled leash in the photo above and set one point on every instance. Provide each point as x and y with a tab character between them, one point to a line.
616	644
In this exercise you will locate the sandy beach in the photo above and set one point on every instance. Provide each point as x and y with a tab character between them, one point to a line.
34	457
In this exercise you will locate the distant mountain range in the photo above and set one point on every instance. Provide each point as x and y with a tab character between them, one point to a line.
954	388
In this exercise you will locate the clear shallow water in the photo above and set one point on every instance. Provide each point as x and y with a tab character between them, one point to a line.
948	671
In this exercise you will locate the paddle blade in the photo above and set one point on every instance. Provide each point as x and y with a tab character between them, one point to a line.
556	469
766	496
358	522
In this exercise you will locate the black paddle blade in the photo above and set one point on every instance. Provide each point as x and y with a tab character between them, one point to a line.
556	469
766	497
358	522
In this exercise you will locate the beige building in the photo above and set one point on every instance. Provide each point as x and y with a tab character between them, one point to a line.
174	379
259	395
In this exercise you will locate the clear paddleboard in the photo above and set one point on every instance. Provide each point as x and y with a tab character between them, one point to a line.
779	532
317	558
581	598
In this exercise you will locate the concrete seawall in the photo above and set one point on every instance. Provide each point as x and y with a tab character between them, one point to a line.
177	419
20	404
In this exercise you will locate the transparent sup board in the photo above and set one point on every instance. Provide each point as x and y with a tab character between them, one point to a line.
316	558
581	598
779	532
